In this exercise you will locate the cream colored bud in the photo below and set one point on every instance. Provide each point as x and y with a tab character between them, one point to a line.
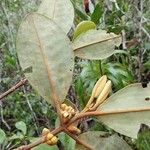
72	111
103	95
63	106
54	140
100	84
49	136
65	114
49	142
45	131
69	108
73	129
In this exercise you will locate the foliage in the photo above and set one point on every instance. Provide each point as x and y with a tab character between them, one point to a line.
44	49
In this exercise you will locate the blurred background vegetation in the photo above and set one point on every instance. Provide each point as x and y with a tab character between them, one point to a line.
23	114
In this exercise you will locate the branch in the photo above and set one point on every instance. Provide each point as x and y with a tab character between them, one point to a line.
2	118
16	86
39	141
110	112
77	117
78	140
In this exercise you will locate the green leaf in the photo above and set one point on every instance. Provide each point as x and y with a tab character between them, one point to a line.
19	135
83	27
96	44
67	141
45	147
131	97
121	52
143	141
21	126
61	11
81	14
97	14
101	141
2	136
42	45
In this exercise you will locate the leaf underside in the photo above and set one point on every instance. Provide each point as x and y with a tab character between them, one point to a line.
131	97
42	45
61	11
98	141
96	44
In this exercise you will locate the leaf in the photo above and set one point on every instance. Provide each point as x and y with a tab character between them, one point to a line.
19	135
131	97
97	14
67	141
96	44
2	136
83	27
121	52
98	141
143	141
61	11
21	126
81	14
45	147
42	45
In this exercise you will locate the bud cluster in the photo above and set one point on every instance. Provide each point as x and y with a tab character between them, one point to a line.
100	92
50	138
67	112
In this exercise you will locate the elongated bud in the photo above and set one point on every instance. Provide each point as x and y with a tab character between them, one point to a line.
100	84
45	131
103	95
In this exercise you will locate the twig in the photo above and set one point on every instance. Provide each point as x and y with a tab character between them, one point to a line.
40	140
2	118
19	84
79	116
31	109
78	140
110	112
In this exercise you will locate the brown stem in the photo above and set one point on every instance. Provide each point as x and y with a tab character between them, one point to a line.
78	140
79	116
16	86
110	112
39	141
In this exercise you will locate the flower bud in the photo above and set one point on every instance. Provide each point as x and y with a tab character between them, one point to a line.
49	136
73	129
99	86
63	106
103	95
52	141
45	131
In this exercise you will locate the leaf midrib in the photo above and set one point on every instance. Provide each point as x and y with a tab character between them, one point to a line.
45	60
93	43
